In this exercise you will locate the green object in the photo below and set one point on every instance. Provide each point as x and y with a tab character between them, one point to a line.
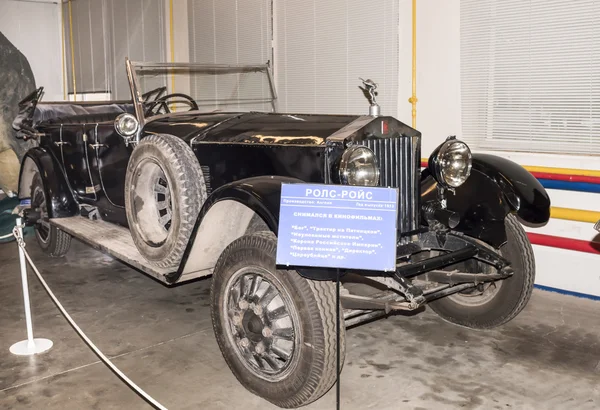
8	220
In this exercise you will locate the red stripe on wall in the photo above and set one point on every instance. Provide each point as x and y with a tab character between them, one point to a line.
564	243
568	178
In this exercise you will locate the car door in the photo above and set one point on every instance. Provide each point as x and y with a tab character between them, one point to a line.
74	147
110	158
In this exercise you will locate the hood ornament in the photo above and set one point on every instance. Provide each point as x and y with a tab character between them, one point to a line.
368	88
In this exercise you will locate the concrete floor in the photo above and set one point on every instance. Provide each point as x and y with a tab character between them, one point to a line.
547	358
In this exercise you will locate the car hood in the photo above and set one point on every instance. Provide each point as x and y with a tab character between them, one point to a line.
250	128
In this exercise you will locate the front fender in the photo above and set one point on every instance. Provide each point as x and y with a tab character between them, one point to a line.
533	203
496	187
60	200
239	199
261	194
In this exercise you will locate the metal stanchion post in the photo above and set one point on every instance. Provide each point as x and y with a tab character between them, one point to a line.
30	346
337	338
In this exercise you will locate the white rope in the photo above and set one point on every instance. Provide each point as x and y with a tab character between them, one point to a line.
92	346
6	236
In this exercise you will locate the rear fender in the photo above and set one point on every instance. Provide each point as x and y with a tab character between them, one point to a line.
60	200
227	215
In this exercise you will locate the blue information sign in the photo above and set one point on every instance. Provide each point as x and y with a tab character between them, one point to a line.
337	226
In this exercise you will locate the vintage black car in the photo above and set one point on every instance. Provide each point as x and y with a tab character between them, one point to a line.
181	194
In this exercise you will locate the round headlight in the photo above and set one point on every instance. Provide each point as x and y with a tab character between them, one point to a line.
126	125
451	163
358	166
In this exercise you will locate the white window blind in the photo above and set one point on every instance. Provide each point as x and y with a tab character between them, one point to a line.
105	32
530	75
323	47
231	32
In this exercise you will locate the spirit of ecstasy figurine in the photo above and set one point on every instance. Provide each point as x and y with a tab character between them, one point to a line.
369	87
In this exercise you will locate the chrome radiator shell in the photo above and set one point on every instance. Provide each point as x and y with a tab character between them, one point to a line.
399	161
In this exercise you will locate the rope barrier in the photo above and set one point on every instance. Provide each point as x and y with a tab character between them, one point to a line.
140	392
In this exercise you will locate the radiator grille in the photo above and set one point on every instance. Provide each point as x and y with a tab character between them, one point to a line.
399	161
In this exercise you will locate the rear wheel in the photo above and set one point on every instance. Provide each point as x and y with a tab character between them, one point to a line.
276	329
52	240
495	303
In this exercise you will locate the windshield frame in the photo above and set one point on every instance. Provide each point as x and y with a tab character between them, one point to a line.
136	91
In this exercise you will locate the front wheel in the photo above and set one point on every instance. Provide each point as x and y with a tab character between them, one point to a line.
276	329
495	303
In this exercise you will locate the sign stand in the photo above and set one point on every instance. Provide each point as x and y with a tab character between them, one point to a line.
337	227
337	337
30	346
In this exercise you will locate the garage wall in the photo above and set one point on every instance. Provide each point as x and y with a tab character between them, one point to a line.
34	28
323	47
439	115
105	33
232	32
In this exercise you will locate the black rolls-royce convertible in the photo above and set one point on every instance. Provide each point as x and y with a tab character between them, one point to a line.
183	181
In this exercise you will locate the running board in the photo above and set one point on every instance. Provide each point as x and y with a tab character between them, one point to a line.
112	239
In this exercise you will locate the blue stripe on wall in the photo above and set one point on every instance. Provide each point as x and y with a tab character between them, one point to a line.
570	186
567	292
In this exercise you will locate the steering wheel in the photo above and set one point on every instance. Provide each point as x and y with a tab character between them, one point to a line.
161	105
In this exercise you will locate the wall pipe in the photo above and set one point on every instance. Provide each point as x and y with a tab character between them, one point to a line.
172	43
564	171
72	53
570	186
564	243
413	99
566	177
578	215
62	47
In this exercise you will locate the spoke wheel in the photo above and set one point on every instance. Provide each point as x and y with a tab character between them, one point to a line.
38	204
152	211
260	324
51	239
164	191
276	330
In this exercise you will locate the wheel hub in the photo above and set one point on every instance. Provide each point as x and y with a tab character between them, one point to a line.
152	210
253	326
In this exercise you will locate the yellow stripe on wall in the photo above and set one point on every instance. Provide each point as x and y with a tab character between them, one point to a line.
574	214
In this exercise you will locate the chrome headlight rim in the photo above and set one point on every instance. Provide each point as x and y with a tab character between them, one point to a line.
120	125
438	168
344	172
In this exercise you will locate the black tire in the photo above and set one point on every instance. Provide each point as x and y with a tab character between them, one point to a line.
507	298
164	190
309	370
52	240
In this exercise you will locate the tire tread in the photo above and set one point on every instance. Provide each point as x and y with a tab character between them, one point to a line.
451	312
189	177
